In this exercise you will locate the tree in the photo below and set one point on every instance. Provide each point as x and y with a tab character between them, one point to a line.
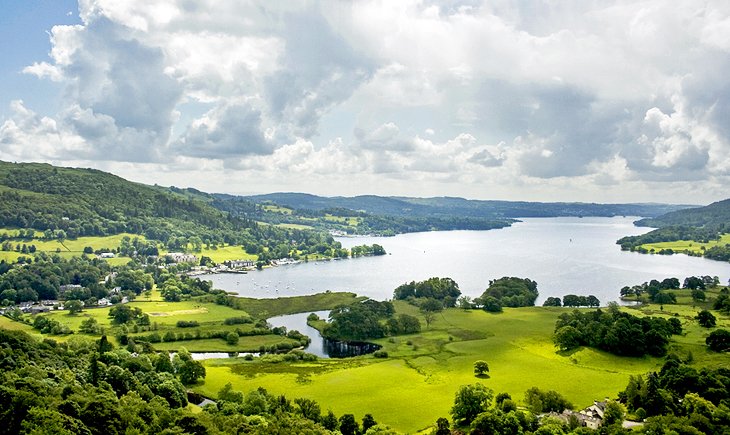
545	401
367	422
719	340
74	306
706	319
190	371
470	401
613	413
567	337
593	301
90	326
693	283
480	368
491	304
429	307
698	295
512	291
348	425
232	338
442	427
309	409
330	421
551	302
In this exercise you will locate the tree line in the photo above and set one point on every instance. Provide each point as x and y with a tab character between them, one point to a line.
615	331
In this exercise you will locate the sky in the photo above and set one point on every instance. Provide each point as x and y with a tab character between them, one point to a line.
543	100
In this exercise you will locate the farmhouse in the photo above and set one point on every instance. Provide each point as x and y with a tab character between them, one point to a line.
590	417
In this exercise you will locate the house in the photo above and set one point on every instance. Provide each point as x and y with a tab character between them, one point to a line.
66	287
590	417
37	309
106	255
238	264
180	257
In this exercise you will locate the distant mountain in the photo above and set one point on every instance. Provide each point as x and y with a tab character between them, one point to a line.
449	206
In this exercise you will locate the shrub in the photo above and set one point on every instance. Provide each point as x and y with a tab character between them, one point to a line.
232	338
238	320
187	324
380	354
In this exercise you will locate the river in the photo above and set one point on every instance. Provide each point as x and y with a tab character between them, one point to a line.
564	256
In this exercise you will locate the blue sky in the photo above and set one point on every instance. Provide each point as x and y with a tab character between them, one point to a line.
23	40
610	101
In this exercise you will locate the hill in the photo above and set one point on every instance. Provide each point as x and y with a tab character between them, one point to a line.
699	230
450	206
715	216
70	202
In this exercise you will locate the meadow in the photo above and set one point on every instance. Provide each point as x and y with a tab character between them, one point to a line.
680	246
75	247
164	317
416	384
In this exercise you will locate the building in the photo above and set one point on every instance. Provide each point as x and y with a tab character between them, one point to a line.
66	287
238	264
180	257
590	417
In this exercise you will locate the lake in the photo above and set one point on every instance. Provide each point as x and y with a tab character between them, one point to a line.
564	256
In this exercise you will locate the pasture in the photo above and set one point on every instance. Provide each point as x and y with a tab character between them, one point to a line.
417	383
680	246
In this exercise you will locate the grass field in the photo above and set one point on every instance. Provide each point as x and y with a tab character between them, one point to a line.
69	248
273	208
681	246
165	315
416	384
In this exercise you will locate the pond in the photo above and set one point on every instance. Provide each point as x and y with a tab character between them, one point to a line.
320	346
564	256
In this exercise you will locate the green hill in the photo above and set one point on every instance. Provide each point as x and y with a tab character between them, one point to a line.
715	216
703	225
88	202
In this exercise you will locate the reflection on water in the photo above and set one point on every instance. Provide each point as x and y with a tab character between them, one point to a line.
320	346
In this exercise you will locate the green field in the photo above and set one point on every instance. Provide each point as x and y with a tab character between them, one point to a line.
273	208
69	248
416	384
681	246
165	315
75	247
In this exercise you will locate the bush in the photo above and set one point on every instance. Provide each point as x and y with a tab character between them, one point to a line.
187	324
238	320
232	338
380	354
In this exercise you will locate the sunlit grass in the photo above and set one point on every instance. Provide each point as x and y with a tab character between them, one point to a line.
416	385
680	246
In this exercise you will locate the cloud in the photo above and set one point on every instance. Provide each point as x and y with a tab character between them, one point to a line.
225	132
456	96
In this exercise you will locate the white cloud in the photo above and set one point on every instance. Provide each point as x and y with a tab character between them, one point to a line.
458	95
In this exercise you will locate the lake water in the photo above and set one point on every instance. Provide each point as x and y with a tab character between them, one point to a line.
299	322
564	256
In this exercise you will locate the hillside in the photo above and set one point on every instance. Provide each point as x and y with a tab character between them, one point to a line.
74	202
701	229
715	216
